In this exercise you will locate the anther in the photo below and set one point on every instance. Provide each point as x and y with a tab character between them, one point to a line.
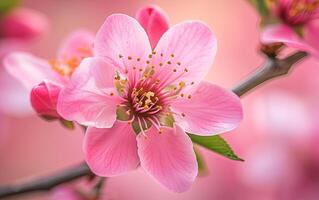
172	55
186	70
162	55
189	96
182	95
150	56
178	63
169	62
111	94
174	70
120	56
183	114
154	52
147	62
134	68
161	64
138	59
129	57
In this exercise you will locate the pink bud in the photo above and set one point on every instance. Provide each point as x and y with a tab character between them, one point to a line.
44	98
155	22
23	23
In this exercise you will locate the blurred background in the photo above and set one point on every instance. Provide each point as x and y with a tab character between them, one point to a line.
279	137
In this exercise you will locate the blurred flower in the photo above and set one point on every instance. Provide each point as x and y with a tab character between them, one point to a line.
66	192
154	21
128	89
22	23
297	24
18	26
47	78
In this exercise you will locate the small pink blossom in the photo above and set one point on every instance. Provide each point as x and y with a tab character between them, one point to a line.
139	102
298	25
45	78
154	21
23	23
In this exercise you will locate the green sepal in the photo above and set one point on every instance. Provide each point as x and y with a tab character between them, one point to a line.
67	124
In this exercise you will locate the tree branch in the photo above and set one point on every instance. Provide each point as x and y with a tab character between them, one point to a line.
271	69
47	183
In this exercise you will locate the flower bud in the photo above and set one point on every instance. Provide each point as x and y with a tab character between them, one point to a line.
44	99
155	22
23	23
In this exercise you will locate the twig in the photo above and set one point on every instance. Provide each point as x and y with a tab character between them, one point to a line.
271	69
47	183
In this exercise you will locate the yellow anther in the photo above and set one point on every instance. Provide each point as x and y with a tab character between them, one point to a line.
182	84
150	56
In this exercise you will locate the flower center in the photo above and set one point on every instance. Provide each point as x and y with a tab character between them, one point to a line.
148	88
67	64
298	12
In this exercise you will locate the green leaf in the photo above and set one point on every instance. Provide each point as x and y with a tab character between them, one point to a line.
261	6
215	143
7	5
202	169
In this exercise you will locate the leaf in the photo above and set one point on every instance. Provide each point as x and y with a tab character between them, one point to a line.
202	169
261	6
7	5
217	144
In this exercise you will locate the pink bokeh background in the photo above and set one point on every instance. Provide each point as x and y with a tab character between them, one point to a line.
278	137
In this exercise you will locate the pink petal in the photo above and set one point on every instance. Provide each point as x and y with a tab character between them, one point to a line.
285	34
29	70
23	23
79	45
210	110
190	44
112	151
121	35
44	98
168	157
155	22
90	98
311	32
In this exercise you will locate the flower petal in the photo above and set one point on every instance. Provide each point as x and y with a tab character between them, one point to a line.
311	33
155	22
286	35
79	45
112	151
187	51
90	97
122	41
29	70
210	110
168	157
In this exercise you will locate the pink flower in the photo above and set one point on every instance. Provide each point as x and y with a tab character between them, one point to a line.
23	23
298	27
154	21
127	89
46	78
